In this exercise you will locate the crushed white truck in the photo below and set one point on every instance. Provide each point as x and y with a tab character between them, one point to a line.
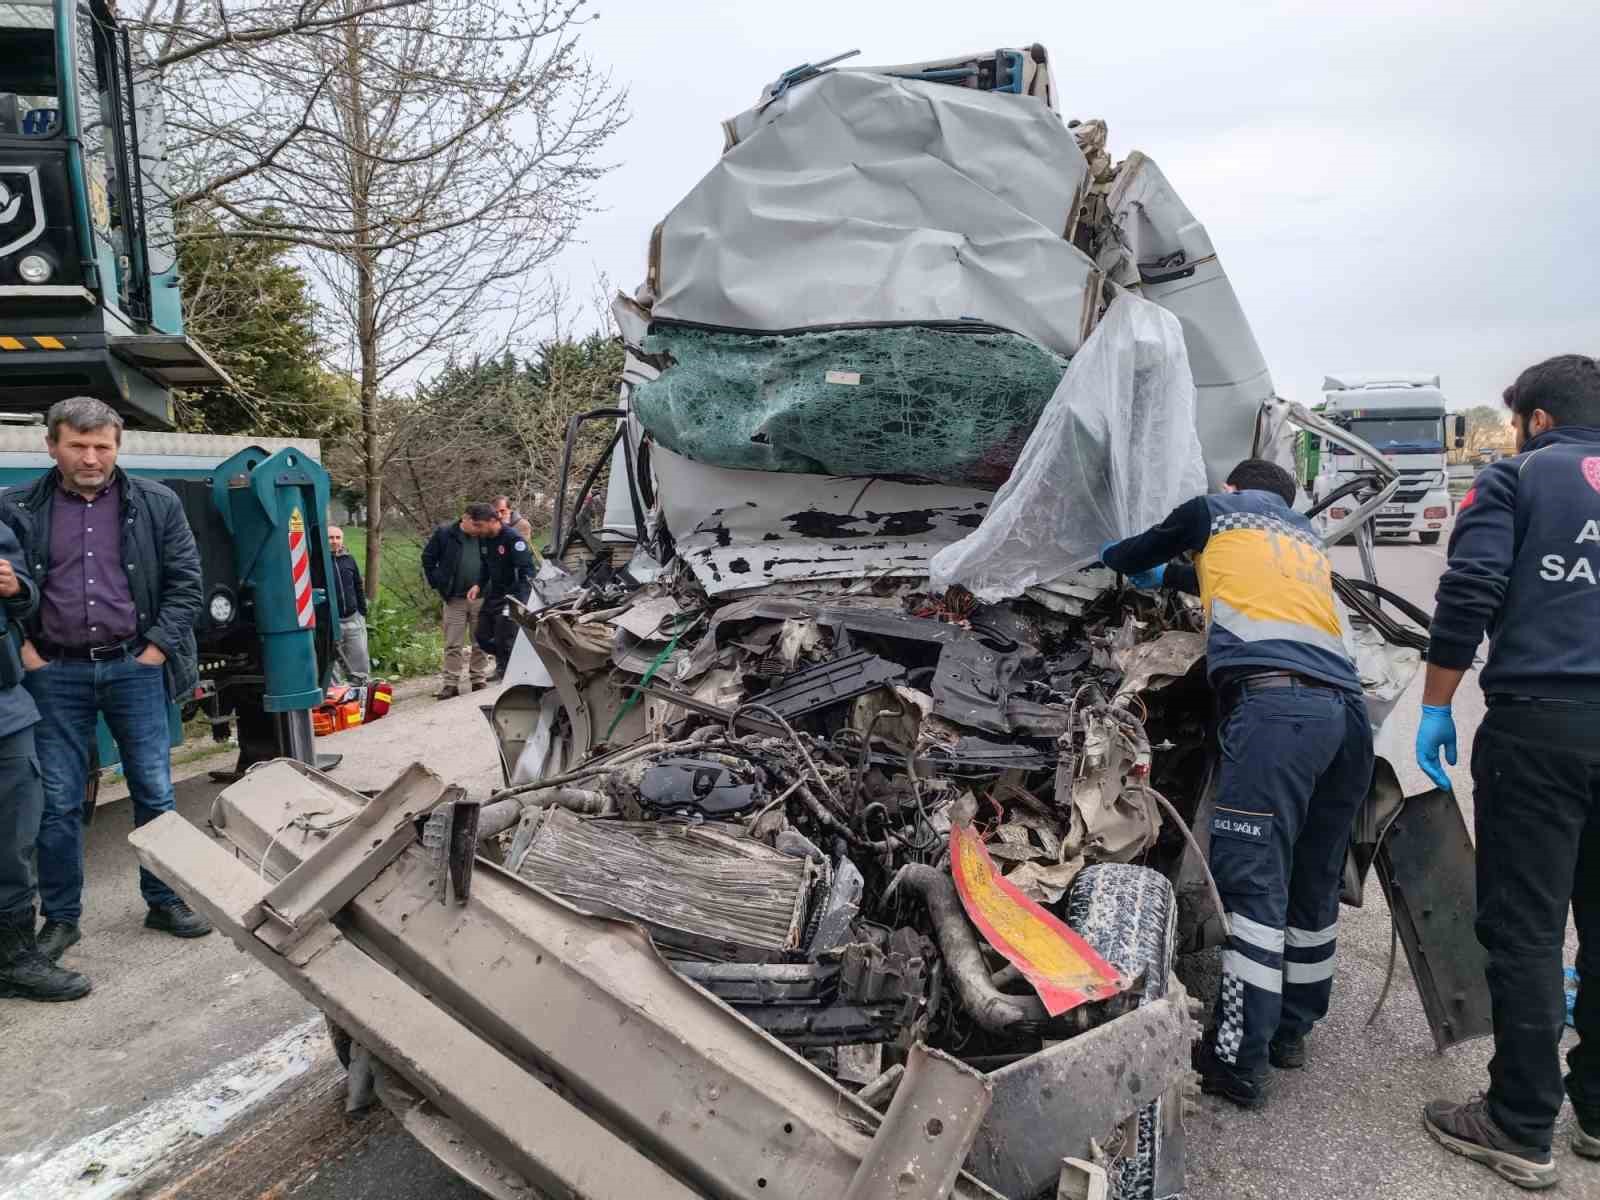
852	819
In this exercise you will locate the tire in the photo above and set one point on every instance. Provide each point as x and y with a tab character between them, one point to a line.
1429	539
1129	914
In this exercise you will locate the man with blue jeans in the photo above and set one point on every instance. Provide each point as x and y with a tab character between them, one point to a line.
24	971
1296	759
1525	568
119	583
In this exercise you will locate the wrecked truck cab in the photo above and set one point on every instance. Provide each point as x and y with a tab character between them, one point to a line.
833	702
852	818
865	484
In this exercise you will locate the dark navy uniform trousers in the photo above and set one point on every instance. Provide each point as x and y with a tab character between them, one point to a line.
1296	765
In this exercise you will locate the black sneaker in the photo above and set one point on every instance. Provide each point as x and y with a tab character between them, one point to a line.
1469	1130
1217	1078
1287	1053
448	692
55	937
178	919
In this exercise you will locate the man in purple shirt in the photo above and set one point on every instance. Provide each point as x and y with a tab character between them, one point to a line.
119	589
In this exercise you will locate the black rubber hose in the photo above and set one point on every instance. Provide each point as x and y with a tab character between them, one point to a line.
991	1008
1415	612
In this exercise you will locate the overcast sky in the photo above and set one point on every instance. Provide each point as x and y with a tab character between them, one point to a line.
1389	186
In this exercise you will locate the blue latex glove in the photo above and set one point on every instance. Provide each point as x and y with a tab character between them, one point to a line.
1437	732
1150	579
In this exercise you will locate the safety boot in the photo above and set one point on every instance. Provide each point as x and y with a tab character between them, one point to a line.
1217	1078
55	938
178	919
27	974
1286	1052
1468	1130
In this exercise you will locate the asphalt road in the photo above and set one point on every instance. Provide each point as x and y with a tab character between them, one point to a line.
1347	1127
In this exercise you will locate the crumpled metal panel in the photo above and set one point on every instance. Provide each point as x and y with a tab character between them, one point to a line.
859	198
1052	1104
1428	871
719	895
742	530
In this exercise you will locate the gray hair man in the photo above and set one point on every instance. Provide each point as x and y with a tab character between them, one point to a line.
113	638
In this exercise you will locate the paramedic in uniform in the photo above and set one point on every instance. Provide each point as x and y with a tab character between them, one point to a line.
1296	758
1525	567
508	569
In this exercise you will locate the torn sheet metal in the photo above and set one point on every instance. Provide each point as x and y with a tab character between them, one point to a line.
1079	1090
1072	594
862	198
1165	254
742	530
1164	658
1427	868
1061	966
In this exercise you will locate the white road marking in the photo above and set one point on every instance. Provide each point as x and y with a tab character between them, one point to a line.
112	1161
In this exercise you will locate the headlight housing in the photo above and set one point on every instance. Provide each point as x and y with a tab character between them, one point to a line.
35	269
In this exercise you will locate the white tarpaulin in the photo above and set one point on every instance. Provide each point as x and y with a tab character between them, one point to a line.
859	198
1114	452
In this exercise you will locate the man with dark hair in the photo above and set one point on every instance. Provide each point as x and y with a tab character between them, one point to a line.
453	562
113	637
508	569
1296	758
354	660
1524	565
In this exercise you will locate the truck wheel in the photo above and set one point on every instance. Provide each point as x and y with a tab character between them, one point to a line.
1129	915
1429	539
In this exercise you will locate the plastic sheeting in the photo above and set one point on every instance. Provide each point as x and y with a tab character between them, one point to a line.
1114	452
955	407
857	198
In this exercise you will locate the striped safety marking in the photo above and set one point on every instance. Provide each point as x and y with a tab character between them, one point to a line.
43	343
300	569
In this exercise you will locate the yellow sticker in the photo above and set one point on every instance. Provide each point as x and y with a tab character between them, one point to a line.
297	523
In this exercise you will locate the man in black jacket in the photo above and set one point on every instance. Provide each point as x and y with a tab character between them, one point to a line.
507	574
453	562
113	637
1525	566
353	657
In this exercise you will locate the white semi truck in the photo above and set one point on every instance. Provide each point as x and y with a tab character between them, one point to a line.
1403	416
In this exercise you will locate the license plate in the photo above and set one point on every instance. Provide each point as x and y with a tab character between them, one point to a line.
1392	510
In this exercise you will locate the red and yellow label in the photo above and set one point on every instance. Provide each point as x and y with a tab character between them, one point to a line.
1061	966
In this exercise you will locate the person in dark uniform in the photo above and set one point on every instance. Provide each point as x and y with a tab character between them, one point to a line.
25	970
507	574
1296	759
1524	565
